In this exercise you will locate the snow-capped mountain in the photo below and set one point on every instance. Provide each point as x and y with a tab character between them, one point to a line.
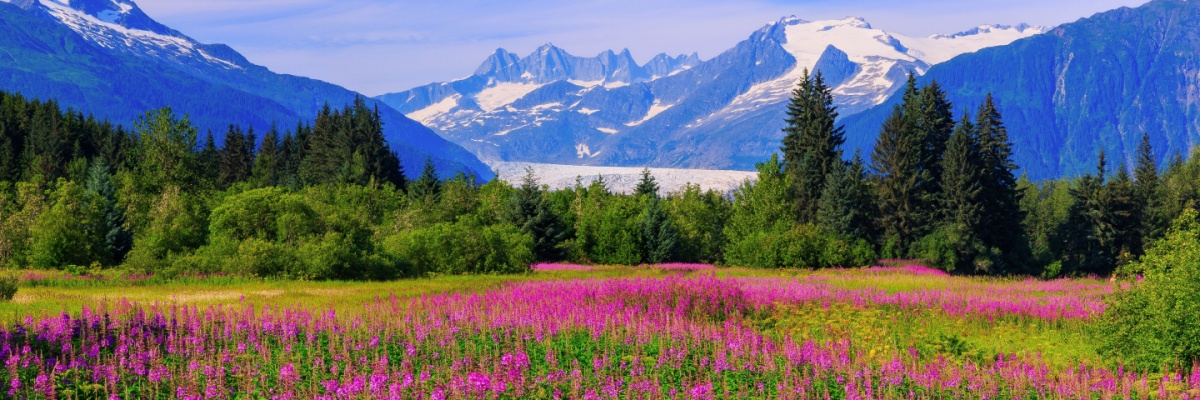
676	112
108	58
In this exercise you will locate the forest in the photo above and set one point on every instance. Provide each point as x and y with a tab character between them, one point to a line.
329	200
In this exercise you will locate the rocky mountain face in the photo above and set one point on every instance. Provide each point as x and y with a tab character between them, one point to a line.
722	113
1084	87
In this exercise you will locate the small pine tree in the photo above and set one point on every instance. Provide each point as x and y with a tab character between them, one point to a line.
267	162
1002	212
847	206
647	185
428	187
961	190
532	212
659	238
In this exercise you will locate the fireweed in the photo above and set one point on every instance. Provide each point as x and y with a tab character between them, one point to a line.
672	337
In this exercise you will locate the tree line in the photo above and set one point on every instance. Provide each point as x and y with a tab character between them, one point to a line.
329	200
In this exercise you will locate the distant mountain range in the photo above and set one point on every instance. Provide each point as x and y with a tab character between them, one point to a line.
108	58
723	113
1095	84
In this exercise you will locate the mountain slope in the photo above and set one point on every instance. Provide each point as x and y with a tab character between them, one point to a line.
1095	84
722	113
108	58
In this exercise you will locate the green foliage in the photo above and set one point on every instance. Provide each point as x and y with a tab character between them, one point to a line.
8	287
699	217
70	232
804	246
1153	325
464	247
428	187
178	224
760	206
346	146
166	151
607	227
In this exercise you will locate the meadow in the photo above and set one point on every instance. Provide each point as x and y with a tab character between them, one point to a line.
687	331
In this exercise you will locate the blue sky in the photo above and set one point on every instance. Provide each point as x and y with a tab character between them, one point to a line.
381	46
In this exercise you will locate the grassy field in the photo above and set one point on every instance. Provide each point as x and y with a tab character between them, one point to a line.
591	332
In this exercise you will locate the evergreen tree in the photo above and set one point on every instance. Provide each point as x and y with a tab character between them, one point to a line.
1147	187
210	161
659	238
1002	214
812	143
166	154
117	239
267	161
961	190
237	156
847	206
896	162
647	185
427	187
932	122
1087	235
1123	218
532	212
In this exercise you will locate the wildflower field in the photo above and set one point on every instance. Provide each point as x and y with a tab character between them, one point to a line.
568	331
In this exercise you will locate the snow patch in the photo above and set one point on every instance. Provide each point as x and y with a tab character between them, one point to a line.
586	111
582	150
502	94
427	114
655	109
609	131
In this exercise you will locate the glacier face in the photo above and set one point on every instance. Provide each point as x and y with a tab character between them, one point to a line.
721	113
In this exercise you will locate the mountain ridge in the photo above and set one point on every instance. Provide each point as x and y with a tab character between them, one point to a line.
117	71
720	113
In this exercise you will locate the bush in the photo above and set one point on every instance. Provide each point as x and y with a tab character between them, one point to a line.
464	247
805	246
1153	324
8	287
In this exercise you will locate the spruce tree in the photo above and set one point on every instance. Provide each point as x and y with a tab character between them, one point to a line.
267	161
117	239
962	186
210	161
1087	236
896	162
1002	214
647	185
812	143
1147	188
428	187
932	122
659	238
847	206
237	156
532	211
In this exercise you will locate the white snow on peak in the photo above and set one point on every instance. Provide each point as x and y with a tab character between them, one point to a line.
622	179
609	131
586	111
941	48
875	51
104	31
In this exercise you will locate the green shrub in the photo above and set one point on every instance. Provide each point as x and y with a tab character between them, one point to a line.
1154	324
464	247
8	287
805	246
